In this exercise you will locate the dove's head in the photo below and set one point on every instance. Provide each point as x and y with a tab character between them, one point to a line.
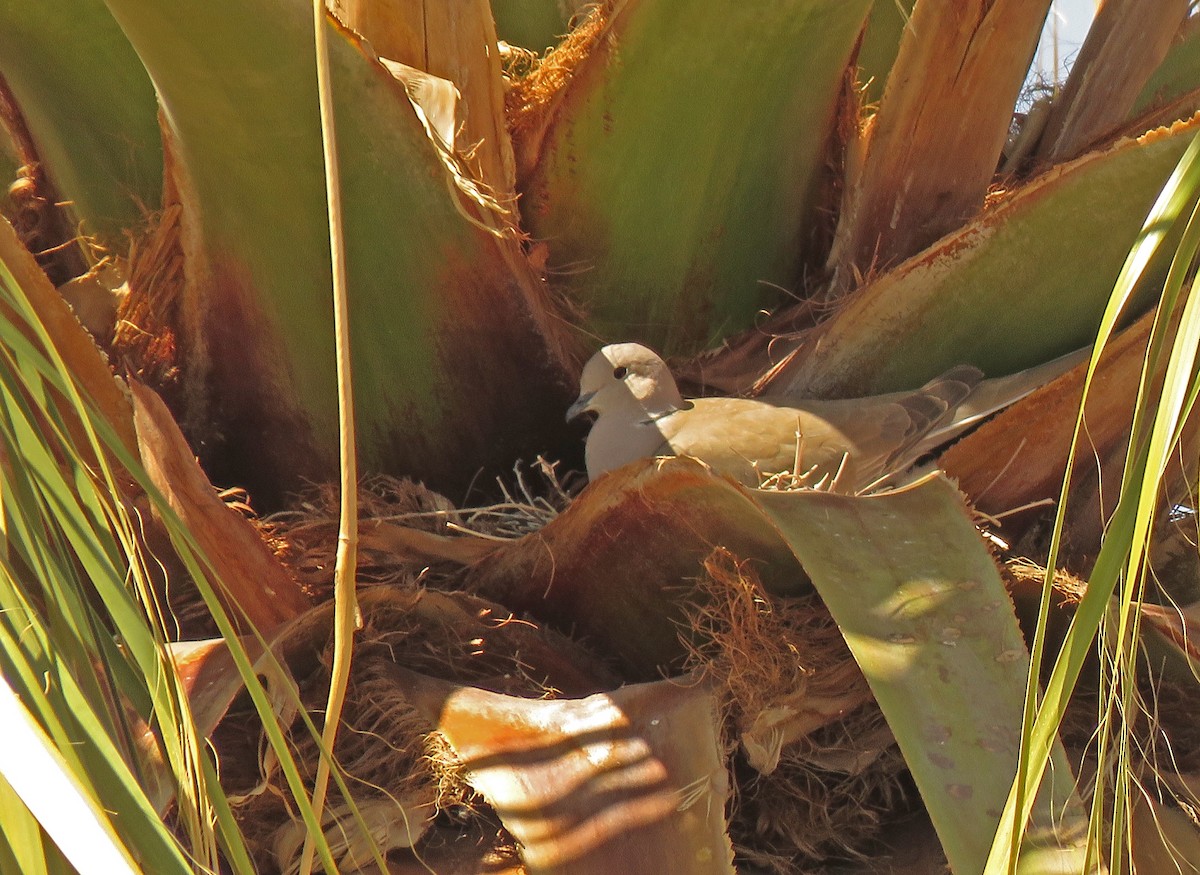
627	378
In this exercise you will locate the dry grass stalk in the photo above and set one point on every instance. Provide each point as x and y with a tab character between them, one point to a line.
800	477
390	510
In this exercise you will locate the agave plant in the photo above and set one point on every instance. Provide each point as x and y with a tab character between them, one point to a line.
814	198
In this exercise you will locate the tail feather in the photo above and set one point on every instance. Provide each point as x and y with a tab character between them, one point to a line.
987	397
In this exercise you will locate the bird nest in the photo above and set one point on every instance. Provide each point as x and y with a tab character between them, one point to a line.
815	770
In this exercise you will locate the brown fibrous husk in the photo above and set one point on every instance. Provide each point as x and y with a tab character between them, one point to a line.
305	537
384	748
801	816
534	85
146	338
829	789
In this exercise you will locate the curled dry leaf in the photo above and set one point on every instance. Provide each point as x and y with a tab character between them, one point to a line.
386	752
250	580
386	824
631	781
617	565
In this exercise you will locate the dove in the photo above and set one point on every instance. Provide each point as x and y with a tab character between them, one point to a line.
845	445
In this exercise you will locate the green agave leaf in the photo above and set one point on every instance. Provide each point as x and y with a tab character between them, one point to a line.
1025	282
921	604
680	167
9	160
454	366
1177	75
905	574
90	110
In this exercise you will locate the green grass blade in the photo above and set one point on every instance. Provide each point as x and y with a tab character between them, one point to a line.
22	848
30	665
1124	545
96	551
73	576
1177	75
30	765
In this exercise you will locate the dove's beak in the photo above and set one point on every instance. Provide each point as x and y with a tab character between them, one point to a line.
580	406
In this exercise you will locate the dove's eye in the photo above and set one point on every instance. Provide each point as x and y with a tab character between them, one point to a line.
619	373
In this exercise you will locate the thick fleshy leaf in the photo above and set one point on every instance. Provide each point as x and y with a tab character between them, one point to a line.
89	108
905	574
1008	291
458	364
455	41
533	24
922	606
678	170
1163	835
9	158
880	45
615	566
1179	629
1173	90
